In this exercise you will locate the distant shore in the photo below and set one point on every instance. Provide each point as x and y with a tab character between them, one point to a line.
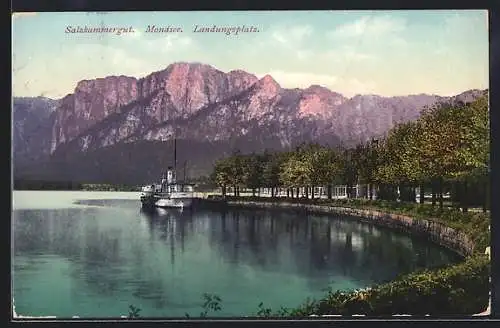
44	185
70	185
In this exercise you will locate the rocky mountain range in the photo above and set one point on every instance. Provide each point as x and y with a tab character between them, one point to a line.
119	129
32	122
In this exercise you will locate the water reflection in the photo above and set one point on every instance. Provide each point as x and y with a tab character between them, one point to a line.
170	257
312	245
170	226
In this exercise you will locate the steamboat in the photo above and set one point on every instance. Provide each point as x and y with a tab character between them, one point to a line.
169	192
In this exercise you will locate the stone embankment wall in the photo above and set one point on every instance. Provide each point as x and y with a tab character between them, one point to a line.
439	233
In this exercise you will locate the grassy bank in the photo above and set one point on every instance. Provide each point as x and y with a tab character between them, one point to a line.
456	290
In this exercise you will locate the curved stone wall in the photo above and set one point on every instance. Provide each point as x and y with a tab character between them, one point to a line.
439	233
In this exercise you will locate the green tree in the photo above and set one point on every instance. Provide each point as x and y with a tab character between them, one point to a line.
348	169
325	167
296	171
399	159
455	144
252	171
222	174
271	170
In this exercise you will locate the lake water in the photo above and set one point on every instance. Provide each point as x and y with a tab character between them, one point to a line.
96	257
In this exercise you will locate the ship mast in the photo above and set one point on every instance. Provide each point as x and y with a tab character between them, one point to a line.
185	164
175	158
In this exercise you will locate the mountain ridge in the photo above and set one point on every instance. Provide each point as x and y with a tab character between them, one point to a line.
198	103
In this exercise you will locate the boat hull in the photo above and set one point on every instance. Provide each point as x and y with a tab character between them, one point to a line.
148	201
172	202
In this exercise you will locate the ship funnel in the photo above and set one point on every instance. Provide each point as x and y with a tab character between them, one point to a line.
170	175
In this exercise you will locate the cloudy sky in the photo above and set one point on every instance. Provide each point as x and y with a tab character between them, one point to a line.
351	52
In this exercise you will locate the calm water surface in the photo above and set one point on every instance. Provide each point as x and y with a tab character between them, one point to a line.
95	257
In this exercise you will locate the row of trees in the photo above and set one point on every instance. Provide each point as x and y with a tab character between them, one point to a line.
445	150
